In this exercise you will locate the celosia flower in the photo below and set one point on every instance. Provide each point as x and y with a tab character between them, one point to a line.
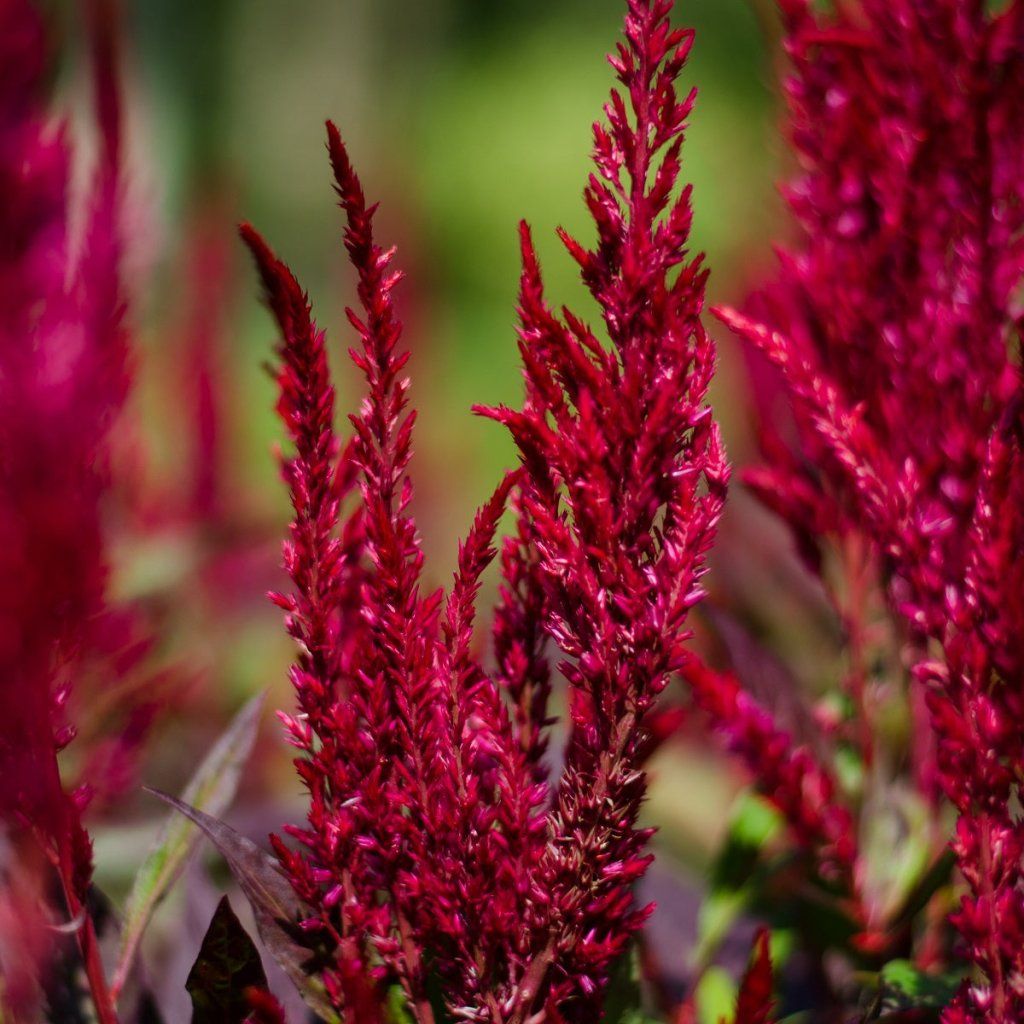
434	846
62	379
411	785
893	324
624	479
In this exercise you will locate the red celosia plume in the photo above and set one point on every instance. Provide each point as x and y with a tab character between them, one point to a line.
895	324
624	479
435	847
62	380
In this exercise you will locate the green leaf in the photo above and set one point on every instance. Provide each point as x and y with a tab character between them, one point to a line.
715	996
895	845
623	987
938	875
274	904
718	913
398	1006
623	1001
902	986
211	788
849	769
227	965
754	823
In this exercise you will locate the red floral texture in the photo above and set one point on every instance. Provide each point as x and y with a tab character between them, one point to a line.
62	380
436	847
755	999
894	325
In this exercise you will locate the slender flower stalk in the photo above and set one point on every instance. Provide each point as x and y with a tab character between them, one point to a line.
790	777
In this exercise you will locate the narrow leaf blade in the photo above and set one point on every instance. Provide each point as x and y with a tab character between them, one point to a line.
274	904
211	788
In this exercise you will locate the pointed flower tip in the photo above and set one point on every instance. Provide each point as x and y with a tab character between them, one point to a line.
256	244
727	315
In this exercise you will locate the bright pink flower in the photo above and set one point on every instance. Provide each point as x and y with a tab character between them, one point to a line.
62	380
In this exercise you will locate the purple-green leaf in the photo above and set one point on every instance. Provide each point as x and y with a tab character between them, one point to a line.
211	788
228	965
275	906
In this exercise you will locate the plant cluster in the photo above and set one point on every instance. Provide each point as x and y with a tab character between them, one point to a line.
468	854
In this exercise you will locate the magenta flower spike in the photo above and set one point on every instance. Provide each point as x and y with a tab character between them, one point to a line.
624	477
63	377
893	323
437	852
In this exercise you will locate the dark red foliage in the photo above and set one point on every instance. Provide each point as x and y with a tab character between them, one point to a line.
754	1003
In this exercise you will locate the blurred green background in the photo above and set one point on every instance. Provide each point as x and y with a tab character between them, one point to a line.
463	116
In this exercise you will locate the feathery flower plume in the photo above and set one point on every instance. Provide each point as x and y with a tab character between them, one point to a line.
893	325
418	791
436	851
624	477
62	379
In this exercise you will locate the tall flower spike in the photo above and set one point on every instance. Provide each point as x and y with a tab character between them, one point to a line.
893	325
423	816
397	661
62	380
337	762
460	825
623	482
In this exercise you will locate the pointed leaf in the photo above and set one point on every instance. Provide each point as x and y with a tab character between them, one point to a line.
211	788
624	1001
227	966
737	872
755	1001
398	1006
624	990
274	904
715	997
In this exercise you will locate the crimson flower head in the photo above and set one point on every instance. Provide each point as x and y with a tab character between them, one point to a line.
624	478
63	376
437	850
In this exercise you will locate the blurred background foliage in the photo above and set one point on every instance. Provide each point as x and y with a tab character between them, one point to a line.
463	116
